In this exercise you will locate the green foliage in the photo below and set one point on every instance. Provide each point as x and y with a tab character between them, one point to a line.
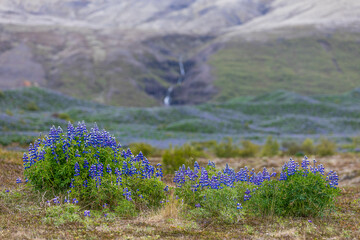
205	145
9	112
325	147
226	149
126	208
2	95
63	116
7	139
175	157
32	106
308	146
271	147
220	205
294	149
145	148
62	214
191	125
249	149
297	196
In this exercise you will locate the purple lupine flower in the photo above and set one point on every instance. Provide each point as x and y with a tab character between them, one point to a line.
204	178
72	183
305	163
25	161
85	183
56	200
166	188
196	165
292	167
211	164
214	183
127	194
108	169
198	205
18	180
333	179
239	206
77	169
75	201
247	195
92	171
321	169
266	174
87	213
159	172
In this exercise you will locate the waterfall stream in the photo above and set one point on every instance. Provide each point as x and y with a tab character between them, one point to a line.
167	99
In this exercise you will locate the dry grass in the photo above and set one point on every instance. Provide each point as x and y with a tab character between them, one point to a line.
21	213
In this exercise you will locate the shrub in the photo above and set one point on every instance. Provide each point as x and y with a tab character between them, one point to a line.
145	148
271	147
206	145
91	167
292	148
175	157
298	192
212	194
249	149
9	112
32	106
308	146
226	149
63	116
325	148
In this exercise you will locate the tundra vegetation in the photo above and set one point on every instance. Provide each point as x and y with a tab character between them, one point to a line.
81	183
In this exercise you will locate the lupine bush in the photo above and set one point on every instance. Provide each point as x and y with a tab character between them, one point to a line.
90	166
305	191
211	193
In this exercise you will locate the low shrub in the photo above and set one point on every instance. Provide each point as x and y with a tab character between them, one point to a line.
32	106
63	116
226	149
292	148
145	148
249	149
308	146
270	148
90	166
325	147
174	157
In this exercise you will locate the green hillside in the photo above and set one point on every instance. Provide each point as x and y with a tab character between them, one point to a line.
28	111
308	65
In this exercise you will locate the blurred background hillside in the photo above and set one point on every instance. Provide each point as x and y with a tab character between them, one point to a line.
244	69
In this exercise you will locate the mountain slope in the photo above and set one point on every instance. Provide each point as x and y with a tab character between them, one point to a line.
137	53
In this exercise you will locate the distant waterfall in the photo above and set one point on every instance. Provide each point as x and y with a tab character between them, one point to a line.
167	99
